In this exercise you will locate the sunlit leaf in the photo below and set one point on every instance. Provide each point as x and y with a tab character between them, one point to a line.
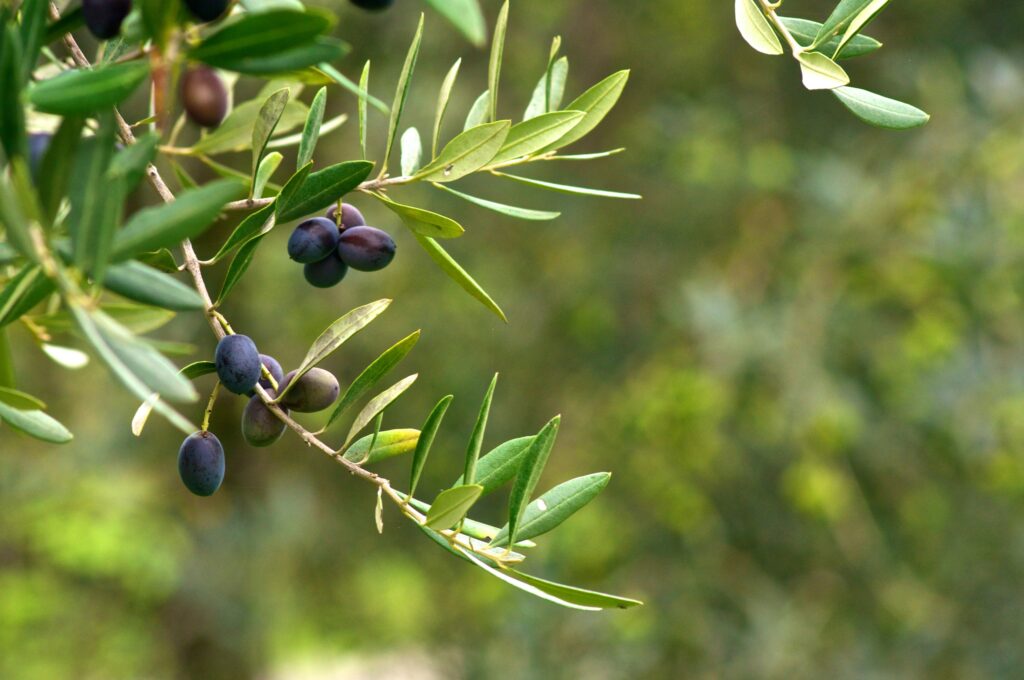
451	505
373	374
556	506
530	469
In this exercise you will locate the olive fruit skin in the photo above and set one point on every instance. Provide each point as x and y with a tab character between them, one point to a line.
374	5
238	363
313	240
201	463
315	391
326	273
350	216
38	143
367	249
260	427
274	368
207	10
204	96
104	17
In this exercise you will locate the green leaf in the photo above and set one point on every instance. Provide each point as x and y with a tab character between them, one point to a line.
269	115
35	424
501	464
596	103
235	133
364	82
291	188
476	440
538	133
388	444
426	440
336	335
144	284
412	151
359	91
466	16
576	596
95	204
402	91
14	220
550	89
820	72
136	318
477	115
510	210
566	189
471	527
322	188
373	374
71	20
33	29
296	139
443	97
755	28
130	162
421	221
23	291
451	505
377	405
467	153
268	166
68	357
534	460
169	224
881	111
556	506
457	274
238	267
83	91
497	52
587	156
20	400
198	369
318	51
158	18
255	224
842	16
804	32
506	575
311	130
12	111
258	36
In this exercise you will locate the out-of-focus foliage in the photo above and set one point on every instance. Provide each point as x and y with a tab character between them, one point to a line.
799	356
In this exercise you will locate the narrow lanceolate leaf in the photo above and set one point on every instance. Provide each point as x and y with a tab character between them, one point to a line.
167	225
23	291
255	224
14	220
443	97
556	506
459	275
476	440
471	527
860	20
529	473
588	156
239	266
20	400
466	16
377	405
364	83
548	93
577	596
361	91
84	91
235	133
881	111
451	505
388	444
506	575
266	122
566	189
290	190
311	131
844	13
373	374
322	188
150	286
262	34
755	28
501	464
510	210
596	103
494	67
426	440
467	153
296	139
478	111
804	31
532	135
402	91
412	151
33	31
57	166
35	424
820	72
90	196
198	369
336	335
268	166
421	221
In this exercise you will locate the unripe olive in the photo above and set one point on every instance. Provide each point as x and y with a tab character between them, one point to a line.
314	391
104	17
204	96
201	463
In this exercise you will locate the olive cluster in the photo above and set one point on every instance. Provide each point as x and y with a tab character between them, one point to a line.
329	245
240	368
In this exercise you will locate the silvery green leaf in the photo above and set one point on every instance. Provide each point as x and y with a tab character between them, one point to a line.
451	505
881	111
412	151
755	28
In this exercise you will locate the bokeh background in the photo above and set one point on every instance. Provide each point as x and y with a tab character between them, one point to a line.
800	356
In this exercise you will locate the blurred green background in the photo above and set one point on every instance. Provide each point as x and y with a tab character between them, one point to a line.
800	356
